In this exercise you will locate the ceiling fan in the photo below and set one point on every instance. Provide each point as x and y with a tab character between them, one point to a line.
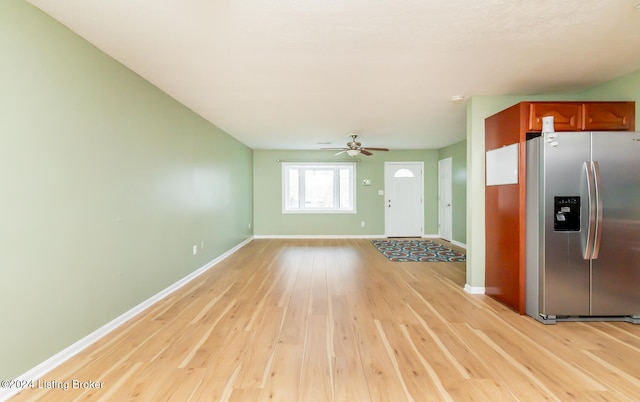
355	148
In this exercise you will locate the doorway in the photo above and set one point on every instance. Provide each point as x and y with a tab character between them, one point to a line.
404	195
445	209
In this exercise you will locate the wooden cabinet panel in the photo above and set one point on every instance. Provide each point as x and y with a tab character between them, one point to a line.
504	223
566	116
504	280
609	116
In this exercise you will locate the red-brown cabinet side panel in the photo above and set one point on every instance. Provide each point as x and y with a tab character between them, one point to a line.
503	128
502	262
503	218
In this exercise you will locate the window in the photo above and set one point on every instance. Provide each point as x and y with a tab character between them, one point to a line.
318	188
403	173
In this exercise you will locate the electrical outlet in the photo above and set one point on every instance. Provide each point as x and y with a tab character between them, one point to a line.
362	224
195	249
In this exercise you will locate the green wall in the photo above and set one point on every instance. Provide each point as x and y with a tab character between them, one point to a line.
270	221
107	183
626	88
458	154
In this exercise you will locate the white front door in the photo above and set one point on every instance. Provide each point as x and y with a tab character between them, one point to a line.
445	199
404	209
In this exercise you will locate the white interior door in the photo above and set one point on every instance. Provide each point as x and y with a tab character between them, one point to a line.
445	208
404	209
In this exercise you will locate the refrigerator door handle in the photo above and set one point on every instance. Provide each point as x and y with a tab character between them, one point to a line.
588	250
598	190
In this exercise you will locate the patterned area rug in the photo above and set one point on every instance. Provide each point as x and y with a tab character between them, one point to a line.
417	250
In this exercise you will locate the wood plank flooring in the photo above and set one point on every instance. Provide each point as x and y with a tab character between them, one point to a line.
333	320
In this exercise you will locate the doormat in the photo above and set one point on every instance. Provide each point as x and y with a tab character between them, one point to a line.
417	251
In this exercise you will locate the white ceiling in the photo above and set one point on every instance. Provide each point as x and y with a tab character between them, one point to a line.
288	74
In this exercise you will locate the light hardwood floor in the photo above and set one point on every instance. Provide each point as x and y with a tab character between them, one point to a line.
333	320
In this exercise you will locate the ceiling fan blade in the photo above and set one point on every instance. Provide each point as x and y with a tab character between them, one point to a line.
354	148
376	149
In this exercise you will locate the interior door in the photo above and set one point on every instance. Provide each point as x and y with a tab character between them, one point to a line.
445	208
404	208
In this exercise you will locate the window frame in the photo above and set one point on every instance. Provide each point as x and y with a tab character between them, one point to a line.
335	167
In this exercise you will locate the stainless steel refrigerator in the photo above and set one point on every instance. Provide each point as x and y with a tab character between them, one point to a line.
583	226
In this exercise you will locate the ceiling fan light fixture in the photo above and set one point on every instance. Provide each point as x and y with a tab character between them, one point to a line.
353	152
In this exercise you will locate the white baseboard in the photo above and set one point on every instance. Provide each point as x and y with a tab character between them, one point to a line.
425	236
54	361
380	236
319	236
431	236
457	243
474	290
435	236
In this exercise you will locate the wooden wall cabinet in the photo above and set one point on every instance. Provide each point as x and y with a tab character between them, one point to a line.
587	116
605	116
505	204
566	116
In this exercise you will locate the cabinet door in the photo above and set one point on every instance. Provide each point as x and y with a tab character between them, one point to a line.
566	116
609	116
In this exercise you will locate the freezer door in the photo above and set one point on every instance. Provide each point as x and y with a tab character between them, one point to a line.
564	287
615	284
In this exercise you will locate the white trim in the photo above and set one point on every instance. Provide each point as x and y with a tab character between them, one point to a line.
445	193
319	211
387	192
457	243
435	236
319	237
380	236
474	290
334	167
54	361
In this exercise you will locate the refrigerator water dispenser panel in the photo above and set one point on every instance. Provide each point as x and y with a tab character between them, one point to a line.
566	214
